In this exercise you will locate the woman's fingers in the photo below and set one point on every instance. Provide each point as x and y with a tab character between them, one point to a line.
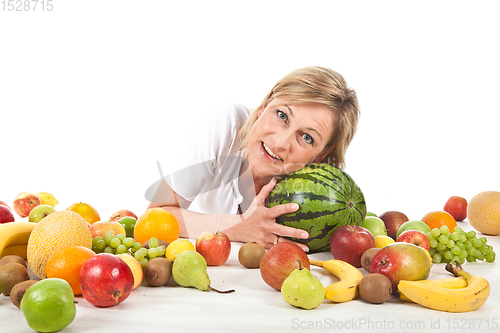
266	190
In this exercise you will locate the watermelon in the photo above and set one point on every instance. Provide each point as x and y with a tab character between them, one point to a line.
327	197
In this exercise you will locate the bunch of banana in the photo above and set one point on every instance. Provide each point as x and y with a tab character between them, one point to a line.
14	238
440	296
347	288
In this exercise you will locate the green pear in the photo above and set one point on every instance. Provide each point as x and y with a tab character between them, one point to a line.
303	289
190	270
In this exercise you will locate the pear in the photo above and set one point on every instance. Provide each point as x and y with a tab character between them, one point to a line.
303	289
190	270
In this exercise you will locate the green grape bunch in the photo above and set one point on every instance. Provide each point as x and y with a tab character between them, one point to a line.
120	243
458	246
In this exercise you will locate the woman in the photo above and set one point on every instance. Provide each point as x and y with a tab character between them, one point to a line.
309	116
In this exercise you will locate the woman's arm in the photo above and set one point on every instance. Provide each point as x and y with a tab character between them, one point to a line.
257	224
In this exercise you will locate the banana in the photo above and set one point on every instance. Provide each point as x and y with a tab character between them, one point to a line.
449	283
15	233
347	288
18	250
469	298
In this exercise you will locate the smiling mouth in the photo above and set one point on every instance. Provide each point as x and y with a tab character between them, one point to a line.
273	155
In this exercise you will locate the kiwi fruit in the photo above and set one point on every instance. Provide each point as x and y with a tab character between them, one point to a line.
250	254
375	288
11	274
12	258
160	243
367	256
158	271
17	292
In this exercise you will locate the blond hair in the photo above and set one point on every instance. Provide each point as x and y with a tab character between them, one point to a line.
315	85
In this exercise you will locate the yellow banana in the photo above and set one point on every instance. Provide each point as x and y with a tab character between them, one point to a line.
449	283
347	288
18	250
465	299
14	233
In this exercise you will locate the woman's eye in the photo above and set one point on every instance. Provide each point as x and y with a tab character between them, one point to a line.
308	138
282	115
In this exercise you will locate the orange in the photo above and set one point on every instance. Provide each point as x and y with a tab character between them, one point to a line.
55	231
156	222
86	211
483	212
438	218
66	264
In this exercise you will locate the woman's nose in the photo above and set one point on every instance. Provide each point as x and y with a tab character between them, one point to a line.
283	140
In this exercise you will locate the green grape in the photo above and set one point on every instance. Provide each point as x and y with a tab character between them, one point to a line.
470	258
471	234
463	254
433	243
100	244
436	232
483	248
489	250
483	240
458	230
441	247
152	253
444	229
128	242
143	262
94	249
479	256
455	259
455	236
99	238
476	242
108	233
490	257
429	236
461	245
121	249
137	246
108	238
108	249
121	236
463	238
153	242
468	245
143	250
94	241
432	250
448	255
115	242
456	250
436	258
443	239
161	250
450	244
139	255
461	260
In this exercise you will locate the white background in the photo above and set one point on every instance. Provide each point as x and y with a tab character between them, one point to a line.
93	93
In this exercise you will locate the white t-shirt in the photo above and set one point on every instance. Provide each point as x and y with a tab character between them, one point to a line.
213	163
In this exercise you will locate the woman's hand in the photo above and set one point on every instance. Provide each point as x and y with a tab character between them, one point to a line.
259	222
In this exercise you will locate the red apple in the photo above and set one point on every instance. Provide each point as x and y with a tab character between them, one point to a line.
393	220
401	261
214	247
121	213
348	243
99	228
280	261
414	237
3	203
106	280
25	202
6	214
456	207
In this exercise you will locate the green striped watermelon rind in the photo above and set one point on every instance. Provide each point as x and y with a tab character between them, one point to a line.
317	189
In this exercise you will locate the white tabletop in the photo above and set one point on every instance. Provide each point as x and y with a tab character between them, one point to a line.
257	307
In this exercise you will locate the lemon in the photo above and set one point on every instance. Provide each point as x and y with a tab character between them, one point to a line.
177	247
47	198
86	211
382	240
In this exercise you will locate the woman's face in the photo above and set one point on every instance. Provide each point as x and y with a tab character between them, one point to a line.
285	138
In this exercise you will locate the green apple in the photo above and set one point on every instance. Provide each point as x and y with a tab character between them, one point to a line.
375	225
39	212
128	223
371	214
48	305
413	225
